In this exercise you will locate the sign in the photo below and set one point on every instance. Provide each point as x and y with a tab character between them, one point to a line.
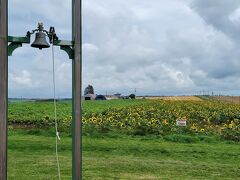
181	122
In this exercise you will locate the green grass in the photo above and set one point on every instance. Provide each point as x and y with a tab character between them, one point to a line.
115	156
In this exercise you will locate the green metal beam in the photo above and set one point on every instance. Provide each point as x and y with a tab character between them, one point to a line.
68	50
16	42
25	39
12	46
65	46
63	43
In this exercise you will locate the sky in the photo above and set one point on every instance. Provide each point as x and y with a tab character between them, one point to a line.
151	47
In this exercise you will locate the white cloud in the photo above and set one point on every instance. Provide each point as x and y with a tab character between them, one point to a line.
235	16
23	78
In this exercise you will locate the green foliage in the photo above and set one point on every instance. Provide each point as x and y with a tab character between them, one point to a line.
232	131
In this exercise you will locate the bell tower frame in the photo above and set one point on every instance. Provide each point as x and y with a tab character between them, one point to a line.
74	50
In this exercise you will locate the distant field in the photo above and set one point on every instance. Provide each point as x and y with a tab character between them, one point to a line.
173	98
230	99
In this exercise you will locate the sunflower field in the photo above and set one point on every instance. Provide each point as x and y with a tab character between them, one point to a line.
138	117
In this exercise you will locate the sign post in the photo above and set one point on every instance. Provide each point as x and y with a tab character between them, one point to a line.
181	122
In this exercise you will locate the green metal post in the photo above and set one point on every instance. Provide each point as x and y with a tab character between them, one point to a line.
77	90
3	87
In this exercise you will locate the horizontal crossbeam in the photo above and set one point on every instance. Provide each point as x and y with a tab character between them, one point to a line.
16	42
25	39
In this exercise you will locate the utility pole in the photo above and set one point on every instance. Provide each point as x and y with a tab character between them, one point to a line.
3	87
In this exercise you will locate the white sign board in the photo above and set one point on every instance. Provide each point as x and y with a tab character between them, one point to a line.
181	122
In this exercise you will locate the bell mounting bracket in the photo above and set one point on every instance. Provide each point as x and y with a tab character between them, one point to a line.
16	42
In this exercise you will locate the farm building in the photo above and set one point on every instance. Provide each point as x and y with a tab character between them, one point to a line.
89	97
100	97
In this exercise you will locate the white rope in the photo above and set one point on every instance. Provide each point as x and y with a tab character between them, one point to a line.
55	112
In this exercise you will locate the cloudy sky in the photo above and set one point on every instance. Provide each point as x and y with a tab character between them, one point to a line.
158	47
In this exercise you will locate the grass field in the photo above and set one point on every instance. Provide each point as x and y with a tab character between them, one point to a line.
115	156
128	139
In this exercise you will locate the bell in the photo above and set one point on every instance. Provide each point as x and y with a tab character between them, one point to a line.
40	41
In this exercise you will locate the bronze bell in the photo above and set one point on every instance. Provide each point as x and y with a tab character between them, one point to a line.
40	41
